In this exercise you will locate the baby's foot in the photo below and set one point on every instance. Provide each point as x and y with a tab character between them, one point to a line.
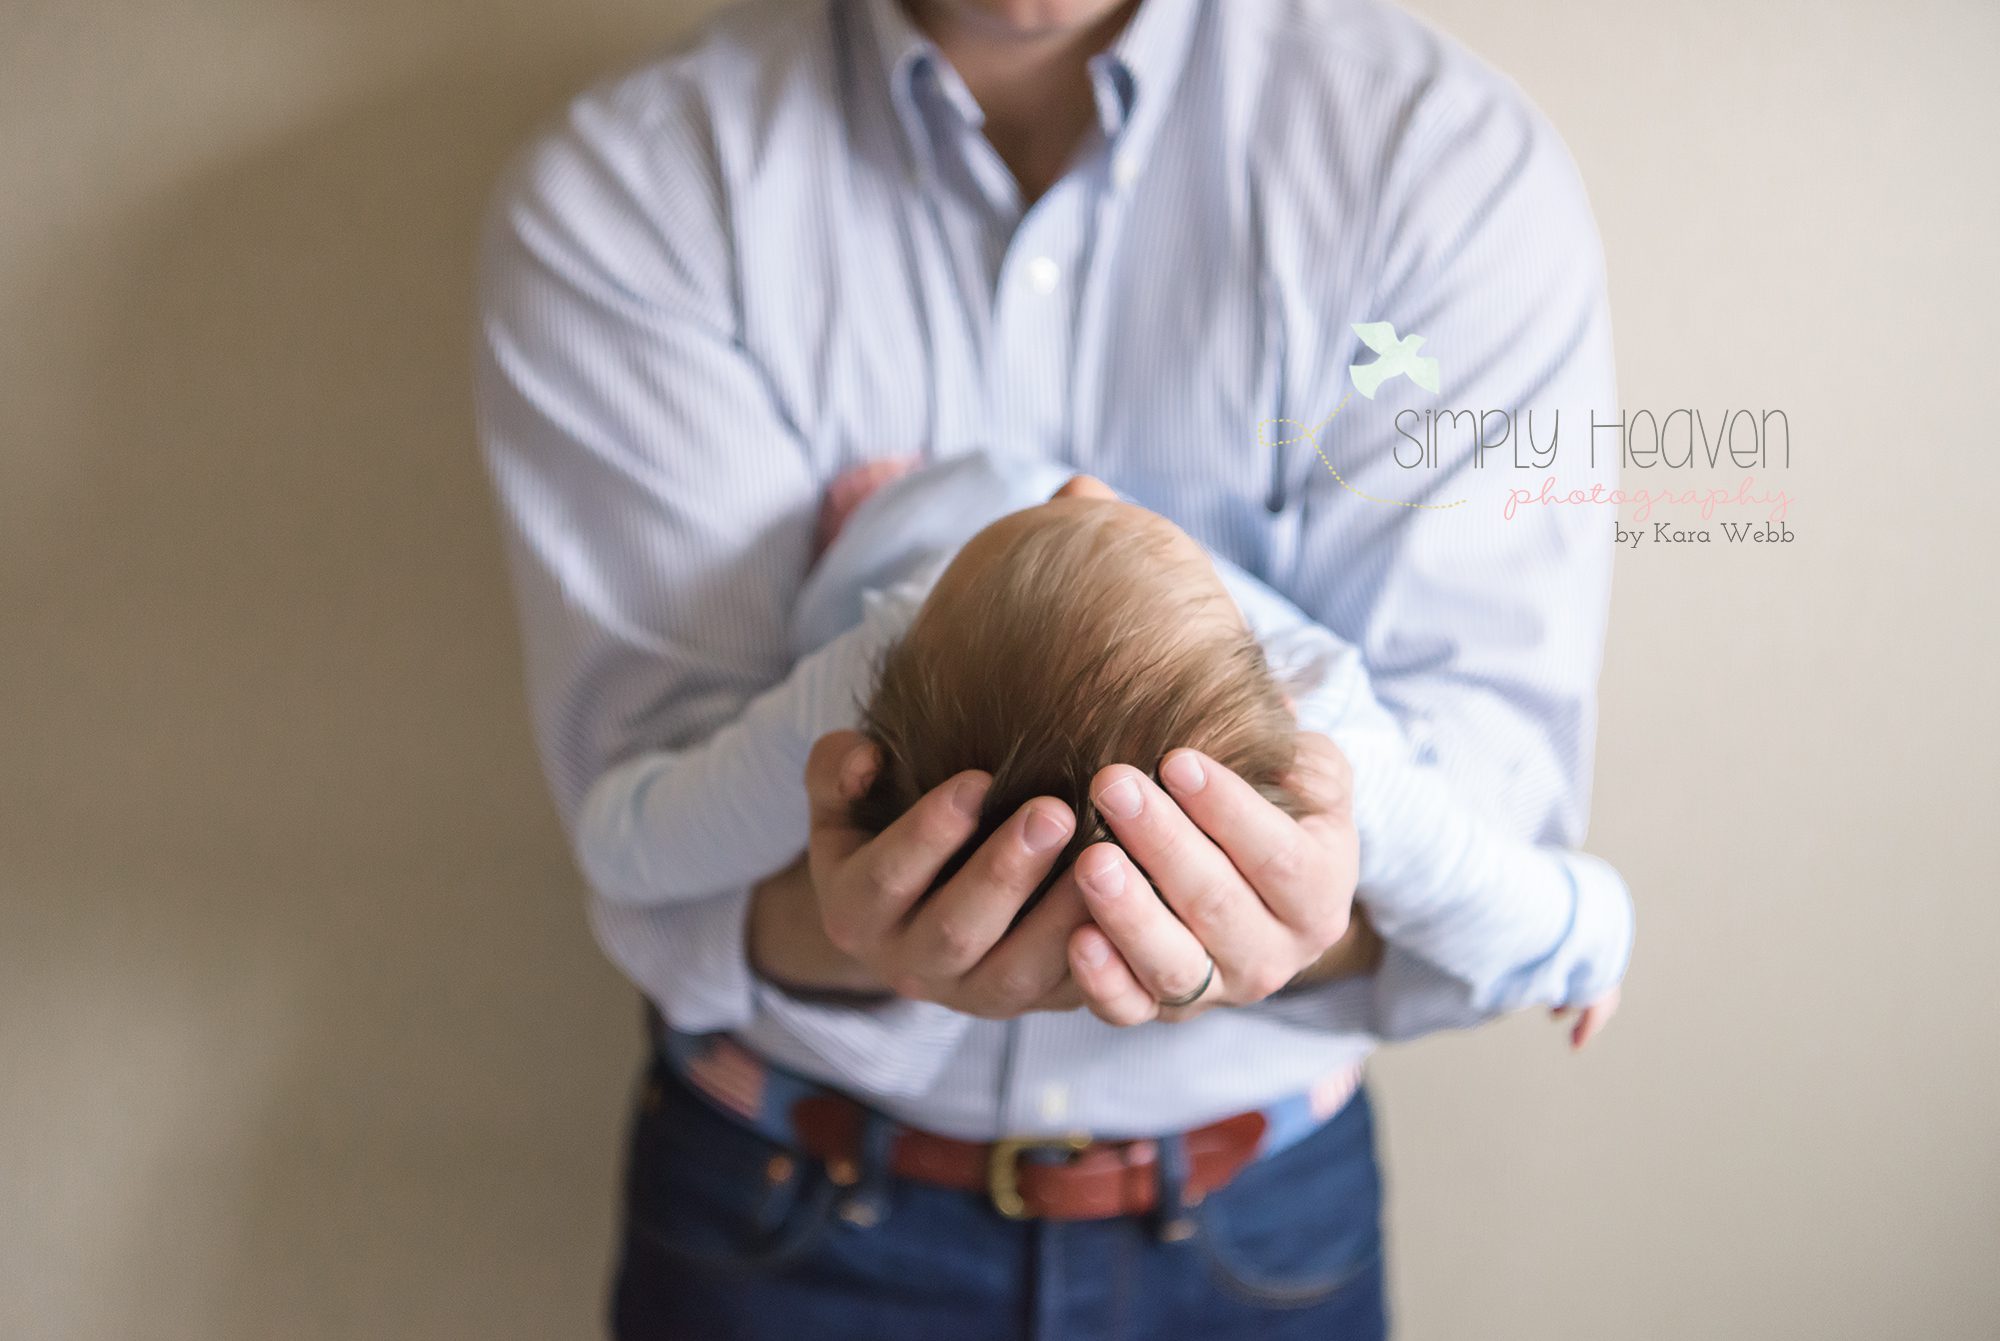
850	489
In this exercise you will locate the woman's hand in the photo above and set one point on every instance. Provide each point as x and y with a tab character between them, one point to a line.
1248	896
956	946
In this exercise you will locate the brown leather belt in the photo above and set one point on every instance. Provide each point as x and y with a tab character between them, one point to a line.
1092	1180
1096	1180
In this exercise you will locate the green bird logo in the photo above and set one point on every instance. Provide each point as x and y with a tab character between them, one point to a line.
1399	359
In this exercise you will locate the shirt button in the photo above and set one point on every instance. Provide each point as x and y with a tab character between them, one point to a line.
1124	171
1043	275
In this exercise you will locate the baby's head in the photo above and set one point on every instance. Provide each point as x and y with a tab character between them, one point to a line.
1082	632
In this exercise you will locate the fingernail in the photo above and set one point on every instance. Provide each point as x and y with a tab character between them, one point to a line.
1043	831
1120	800
855	770
1101	873
1093	951
1183	772
969	795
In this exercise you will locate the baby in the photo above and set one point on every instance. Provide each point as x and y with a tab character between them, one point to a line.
1064	637
991	612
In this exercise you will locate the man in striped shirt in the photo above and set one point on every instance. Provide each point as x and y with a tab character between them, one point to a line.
1122	237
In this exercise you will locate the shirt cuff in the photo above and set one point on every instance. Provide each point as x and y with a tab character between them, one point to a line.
1413	997
686	957
1591	956
1405	997
1603	930
690	959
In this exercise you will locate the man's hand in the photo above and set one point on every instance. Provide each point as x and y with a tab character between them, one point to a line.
954	947
788	947
1355	954
1240	883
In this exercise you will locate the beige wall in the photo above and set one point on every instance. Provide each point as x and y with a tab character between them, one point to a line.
300	1031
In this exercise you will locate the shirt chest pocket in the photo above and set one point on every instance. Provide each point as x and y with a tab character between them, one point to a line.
1187	411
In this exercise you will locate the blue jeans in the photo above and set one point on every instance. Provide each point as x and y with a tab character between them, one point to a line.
729	1237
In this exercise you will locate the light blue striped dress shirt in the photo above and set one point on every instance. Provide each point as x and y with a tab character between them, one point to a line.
788	249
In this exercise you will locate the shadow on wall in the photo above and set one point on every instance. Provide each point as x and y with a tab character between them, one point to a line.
347	1060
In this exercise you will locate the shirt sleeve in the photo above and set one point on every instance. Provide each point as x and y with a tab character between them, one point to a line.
673	824
657	505
694	952
1503	922
1483	633
670	825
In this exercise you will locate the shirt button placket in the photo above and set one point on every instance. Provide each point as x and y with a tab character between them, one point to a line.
1034	335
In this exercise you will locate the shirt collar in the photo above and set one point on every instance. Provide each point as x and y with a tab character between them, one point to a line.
905	57
1132	79
1139	69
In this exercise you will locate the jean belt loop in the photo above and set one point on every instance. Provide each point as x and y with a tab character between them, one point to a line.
868	1202
1175	1221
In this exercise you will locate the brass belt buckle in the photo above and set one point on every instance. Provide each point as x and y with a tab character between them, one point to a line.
1003	1167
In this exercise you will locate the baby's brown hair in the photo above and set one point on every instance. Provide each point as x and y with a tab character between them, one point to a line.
1076	644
